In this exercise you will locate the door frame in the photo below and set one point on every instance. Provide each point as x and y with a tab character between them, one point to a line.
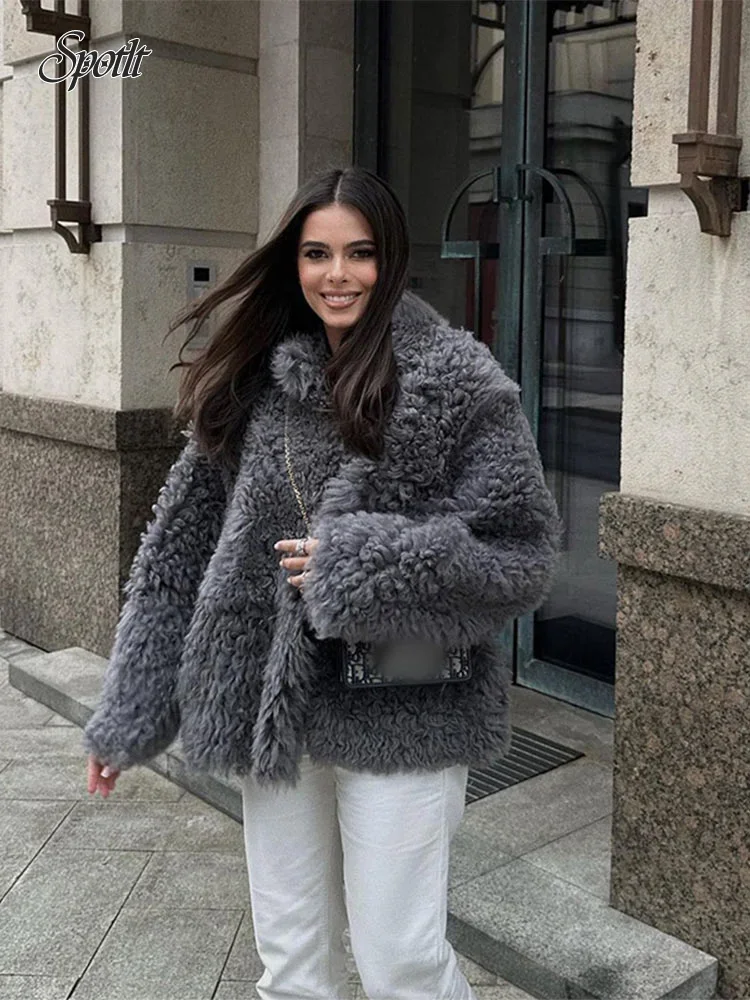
520	280
524	141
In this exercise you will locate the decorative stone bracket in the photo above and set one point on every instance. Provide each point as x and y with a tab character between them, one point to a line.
62	209
712	155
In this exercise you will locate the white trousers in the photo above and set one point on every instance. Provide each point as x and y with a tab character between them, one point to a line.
357	850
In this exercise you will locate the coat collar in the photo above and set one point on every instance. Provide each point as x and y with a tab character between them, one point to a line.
297	362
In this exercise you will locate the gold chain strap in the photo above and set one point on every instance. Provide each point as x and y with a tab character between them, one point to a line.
292	480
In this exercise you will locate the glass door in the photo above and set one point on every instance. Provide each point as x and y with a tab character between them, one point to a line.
579	93
505	130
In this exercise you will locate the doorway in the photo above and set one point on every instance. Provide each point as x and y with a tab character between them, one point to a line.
505	128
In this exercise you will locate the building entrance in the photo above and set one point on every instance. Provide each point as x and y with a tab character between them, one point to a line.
505	128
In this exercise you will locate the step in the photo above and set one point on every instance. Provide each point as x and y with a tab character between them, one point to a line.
537	931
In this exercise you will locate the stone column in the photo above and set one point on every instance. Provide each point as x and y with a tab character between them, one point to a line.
680	531
183	166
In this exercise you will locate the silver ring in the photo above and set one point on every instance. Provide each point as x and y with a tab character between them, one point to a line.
300	549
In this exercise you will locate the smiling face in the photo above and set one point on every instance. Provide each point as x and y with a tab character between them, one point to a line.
337	267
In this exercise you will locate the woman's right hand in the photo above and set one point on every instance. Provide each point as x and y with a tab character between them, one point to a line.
102	777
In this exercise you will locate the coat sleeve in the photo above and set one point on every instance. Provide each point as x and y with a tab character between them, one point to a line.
459	575
137	715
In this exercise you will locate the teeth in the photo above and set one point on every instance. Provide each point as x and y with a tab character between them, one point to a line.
340	298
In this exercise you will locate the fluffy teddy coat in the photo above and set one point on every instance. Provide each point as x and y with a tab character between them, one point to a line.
450	535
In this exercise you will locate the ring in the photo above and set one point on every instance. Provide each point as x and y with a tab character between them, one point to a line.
300	549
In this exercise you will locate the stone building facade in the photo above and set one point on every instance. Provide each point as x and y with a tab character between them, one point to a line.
587	273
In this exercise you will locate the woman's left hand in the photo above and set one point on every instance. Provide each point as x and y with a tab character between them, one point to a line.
296	563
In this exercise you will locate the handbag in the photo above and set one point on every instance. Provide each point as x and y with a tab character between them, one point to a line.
395	662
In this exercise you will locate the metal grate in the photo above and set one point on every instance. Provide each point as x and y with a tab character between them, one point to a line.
528	756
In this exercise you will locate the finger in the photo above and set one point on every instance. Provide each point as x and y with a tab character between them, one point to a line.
93	776
293	562
297	580
286	545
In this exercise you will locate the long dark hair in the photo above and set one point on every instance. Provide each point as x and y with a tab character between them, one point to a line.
217	387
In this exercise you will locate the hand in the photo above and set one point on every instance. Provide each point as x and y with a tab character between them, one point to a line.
102	777
292	562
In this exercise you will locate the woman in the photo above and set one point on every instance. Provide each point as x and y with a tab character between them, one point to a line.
408	455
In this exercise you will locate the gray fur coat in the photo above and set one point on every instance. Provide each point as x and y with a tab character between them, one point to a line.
451	534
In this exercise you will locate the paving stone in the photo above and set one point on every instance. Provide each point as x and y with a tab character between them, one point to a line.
35	988
24	828
187	825
576	727
471	855
244	961
66	778
582	857
58	720
555	939
67	681
11	646
222	793
235	989
45	741
503	991
538	810
87	888
18	711
476	974
187	880
160	955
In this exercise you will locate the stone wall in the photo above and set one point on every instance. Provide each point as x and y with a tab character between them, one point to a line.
680	531
191	163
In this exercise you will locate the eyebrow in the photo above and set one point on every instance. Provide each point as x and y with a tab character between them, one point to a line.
325	246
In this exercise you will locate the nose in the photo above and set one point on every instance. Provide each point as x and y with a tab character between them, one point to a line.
337	270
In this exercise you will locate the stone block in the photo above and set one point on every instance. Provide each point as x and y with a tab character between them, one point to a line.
235	989
554	939
538	810
87	886
44	742
230	28
581	858
329	23
17	711
329	84
680	834
279	91
64	345
66	779
190	141
36	987
155	276
187	880
187	825
24	828
160	955
244	962
279	23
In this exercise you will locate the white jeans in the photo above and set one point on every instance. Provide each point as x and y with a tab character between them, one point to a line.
357	849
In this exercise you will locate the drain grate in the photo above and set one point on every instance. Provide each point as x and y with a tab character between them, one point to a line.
529	755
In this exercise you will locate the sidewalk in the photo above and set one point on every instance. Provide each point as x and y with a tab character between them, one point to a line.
142	896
